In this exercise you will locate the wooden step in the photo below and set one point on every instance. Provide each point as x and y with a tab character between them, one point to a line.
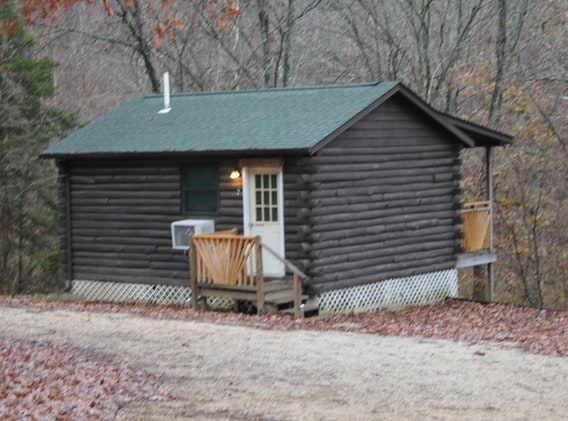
278	295
310	310
282	297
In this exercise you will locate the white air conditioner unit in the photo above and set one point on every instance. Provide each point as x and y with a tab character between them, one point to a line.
181	230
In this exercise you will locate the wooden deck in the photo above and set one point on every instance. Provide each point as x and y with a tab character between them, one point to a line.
224	264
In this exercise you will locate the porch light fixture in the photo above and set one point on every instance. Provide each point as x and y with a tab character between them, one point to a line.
235	174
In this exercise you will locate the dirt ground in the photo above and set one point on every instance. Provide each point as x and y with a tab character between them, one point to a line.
222	372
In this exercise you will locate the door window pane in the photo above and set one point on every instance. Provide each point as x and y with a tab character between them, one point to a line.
266	197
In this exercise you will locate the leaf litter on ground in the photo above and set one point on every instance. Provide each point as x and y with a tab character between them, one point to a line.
42	380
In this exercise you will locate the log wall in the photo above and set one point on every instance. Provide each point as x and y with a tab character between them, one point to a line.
383	201
120	217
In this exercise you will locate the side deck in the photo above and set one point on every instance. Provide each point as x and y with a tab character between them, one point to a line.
477	241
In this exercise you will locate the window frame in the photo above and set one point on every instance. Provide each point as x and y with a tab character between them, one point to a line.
186	190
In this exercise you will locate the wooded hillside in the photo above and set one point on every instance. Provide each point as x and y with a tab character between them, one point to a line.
501	63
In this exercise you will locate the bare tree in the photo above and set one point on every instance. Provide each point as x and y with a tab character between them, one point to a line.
419	41
509	28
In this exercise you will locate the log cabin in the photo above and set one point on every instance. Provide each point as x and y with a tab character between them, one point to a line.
356	187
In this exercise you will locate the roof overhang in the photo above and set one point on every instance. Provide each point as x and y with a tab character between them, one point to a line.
472	135
482	136
177	154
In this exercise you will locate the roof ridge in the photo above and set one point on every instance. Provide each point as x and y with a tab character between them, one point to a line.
280	89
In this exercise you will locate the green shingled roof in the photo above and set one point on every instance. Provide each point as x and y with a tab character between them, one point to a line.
277	119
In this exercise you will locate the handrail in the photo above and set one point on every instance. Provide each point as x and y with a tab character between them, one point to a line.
297	277
294	269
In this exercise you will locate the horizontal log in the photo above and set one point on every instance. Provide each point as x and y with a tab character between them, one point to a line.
373	124
378	235
78	194
148	268
141	187
133	277
127	234
126	266
129	166
393	165
142	217
229	186
392	223
320	218
143	178
88	237
355	257
160	211
94	205
396	149
379	192
144	257
321	284
226	223
385	200
231	203
90	247
371	209
156	264
394	136
400	177
394	269
126	224
391	184
379	157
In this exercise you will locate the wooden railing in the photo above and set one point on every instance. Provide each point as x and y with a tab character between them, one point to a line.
476	232
297	277
225	259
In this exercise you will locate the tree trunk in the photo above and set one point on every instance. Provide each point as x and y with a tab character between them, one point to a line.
286	44
264	22
504	50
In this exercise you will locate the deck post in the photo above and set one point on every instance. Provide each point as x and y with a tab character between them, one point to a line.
193	273
259	276
297	295
489	180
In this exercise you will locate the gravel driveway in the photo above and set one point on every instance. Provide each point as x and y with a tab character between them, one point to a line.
216	372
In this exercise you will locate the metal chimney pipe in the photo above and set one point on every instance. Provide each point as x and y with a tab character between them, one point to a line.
166	89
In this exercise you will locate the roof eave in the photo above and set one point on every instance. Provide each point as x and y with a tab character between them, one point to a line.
415	100
170	154
436	116
482	136
360	115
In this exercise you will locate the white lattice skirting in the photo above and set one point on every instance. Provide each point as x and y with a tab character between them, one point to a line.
392	293
140	293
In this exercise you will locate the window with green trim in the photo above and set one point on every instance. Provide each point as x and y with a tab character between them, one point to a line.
200	189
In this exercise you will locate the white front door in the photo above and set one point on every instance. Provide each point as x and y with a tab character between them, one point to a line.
263	214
